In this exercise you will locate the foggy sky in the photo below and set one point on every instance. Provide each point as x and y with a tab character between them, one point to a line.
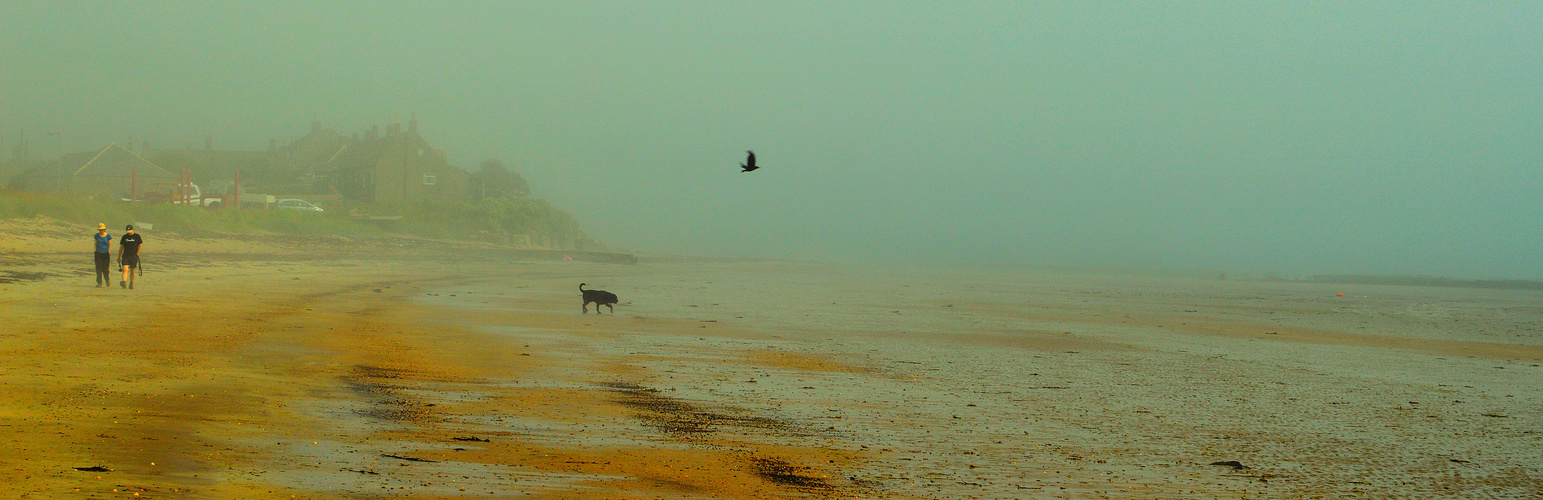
1394	138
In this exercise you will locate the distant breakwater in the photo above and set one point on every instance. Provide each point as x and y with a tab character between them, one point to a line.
1353	279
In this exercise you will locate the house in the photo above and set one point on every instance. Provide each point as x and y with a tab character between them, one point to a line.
208	165
112	170
399	167
310	156
317	146
270	169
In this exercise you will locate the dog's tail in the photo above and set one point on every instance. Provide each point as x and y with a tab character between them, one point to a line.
581	287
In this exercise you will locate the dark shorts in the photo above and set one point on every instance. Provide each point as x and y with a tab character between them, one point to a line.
130	260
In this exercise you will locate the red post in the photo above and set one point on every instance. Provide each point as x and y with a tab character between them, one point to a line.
236	192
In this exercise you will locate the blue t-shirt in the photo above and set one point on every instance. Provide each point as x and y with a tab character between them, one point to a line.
102	241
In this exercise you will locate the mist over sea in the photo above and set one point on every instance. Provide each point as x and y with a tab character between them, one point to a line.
1258	139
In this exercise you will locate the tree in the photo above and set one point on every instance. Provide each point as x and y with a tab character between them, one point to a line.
494	180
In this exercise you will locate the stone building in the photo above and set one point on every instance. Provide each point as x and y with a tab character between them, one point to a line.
399	167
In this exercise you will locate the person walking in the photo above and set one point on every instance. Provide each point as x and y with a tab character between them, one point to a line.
128	255
104	243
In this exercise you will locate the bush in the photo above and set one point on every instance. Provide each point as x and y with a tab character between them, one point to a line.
495	215
186	220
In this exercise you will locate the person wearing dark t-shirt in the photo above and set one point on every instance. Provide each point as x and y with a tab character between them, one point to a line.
104	243
128	255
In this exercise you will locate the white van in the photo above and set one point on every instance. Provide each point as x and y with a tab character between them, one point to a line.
297	205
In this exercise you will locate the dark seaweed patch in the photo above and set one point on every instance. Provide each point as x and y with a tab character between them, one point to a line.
364	371
785	474
386	401
679	417
407	458
8	277
686	419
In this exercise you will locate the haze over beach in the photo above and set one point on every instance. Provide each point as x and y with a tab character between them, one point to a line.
1277	137
991	250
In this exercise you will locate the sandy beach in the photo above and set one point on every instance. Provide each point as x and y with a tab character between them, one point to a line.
270	367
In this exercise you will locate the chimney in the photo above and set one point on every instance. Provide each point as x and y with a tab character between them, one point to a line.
412	123
374	131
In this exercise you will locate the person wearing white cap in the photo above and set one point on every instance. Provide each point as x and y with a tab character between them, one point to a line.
104	243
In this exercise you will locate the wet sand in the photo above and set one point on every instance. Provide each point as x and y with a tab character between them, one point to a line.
267	367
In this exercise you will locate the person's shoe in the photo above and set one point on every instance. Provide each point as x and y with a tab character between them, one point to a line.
131	285
98	284
123	284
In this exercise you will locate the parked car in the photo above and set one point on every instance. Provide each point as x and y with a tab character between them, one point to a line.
297	205
246	201
194	195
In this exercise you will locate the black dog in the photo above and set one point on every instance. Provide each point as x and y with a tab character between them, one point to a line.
599	297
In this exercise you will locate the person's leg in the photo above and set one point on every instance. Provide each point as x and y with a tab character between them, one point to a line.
125	282
131	273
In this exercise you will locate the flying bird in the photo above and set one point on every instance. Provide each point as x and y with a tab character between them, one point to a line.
749	163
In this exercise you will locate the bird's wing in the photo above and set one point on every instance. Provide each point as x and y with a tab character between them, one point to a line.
751	160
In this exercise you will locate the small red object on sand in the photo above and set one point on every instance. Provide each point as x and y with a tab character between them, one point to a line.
1339	294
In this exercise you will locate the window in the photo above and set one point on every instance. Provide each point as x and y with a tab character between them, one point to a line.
430	179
